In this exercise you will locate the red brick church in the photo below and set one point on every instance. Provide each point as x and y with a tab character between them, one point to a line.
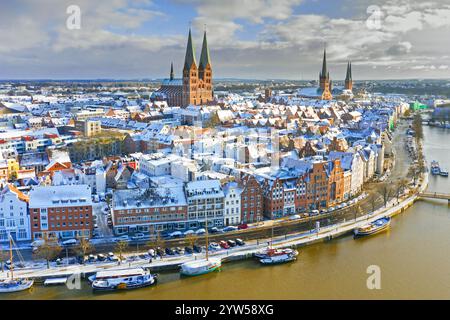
195	88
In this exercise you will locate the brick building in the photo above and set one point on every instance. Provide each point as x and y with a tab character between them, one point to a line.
195	88
61	212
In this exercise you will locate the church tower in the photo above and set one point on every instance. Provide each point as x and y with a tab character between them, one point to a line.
324	79
348	78
190	75
205	73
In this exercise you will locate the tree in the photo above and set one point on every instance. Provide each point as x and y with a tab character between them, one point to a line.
83	248
373	200
3	257
386	192
400	187
356	209
49	250
213	121
192	239
414	172
120	248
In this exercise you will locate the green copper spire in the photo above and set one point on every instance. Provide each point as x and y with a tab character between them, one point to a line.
324	64
204	57
348	77
189	60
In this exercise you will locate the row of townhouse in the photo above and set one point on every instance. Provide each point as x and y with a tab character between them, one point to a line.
171	204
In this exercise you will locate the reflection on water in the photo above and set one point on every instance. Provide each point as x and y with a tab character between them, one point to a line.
413	256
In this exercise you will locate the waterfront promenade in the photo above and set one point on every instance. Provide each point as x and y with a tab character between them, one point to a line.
392	208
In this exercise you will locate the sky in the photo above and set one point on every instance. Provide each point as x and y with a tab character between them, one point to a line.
248	39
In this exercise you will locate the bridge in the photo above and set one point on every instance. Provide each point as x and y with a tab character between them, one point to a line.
435	195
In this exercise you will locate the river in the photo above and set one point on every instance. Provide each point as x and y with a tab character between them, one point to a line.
413	257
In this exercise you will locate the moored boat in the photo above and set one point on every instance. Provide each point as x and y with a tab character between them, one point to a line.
373	227
123	279
14	285
199	267
277	256
435	169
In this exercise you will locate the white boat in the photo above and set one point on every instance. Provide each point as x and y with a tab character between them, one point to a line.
373	227
277	256
123	279
14	285
199	267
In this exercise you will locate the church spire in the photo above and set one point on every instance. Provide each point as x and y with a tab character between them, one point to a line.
348	76
171	72
204	57
189	60
324	64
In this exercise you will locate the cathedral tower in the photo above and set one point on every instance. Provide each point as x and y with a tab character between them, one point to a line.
348	78
324	79
205	73
190	74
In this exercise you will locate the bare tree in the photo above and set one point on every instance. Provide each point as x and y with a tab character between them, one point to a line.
84	248
3	257
49	250
192	239
373	197
356	210
120	248
400	187
386	192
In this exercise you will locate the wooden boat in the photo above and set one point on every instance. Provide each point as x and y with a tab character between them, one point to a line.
201	266
275	256
123	279
14	285
373	227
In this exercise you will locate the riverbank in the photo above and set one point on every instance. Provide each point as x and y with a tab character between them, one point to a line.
392	208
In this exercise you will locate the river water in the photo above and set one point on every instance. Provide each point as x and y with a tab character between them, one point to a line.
413	256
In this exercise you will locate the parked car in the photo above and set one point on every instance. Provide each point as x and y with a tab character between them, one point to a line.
188	250
230	228
189	232
214	246
101	257
214	230
170	252
95	226
314	212
91	258
331	209
240	242
112	257
243	226
179	250
197	248
160	252
122	238
37	243
231	243
152	253
176	234
224	245
295	217
69	242
138	236
200	231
